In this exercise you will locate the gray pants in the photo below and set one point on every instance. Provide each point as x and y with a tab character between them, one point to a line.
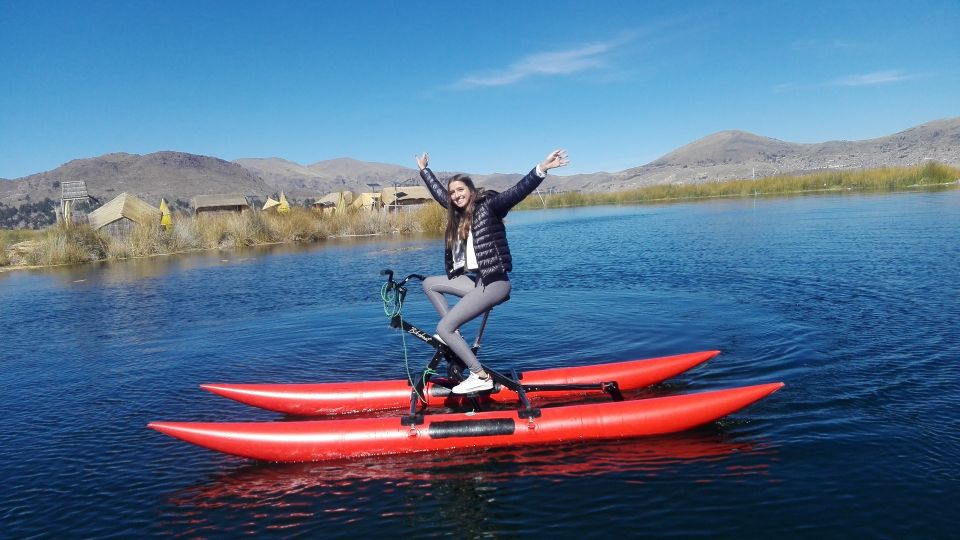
476	298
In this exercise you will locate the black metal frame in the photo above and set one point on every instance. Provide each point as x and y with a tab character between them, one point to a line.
456	365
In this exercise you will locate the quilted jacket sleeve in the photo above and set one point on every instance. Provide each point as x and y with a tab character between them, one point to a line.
437	189
502	202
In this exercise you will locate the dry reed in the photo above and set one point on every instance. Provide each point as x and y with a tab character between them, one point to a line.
929	176
78	244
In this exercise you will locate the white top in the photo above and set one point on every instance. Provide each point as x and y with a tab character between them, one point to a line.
466	256
471	254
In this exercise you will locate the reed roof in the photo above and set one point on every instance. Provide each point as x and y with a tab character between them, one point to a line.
122	206
213	201
366	200
401	194
333	199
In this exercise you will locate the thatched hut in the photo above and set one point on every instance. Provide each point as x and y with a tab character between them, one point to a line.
367	201
334	202
122	214
214	204
404	197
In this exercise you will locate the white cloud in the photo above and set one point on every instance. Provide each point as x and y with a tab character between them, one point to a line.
831	45
873	79
787	87
558	63
866	79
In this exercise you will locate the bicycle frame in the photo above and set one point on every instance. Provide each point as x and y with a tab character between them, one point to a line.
443	352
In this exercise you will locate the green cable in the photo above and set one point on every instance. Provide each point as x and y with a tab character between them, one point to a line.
395	311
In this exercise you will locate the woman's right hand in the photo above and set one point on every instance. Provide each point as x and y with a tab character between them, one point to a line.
423	161
557	158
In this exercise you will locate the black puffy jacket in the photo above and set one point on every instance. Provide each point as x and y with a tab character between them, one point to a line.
489	233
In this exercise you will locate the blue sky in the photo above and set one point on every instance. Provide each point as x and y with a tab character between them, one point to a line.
483	86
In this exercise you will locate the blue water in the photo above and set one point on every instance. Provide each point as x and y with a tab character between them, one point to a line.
853	301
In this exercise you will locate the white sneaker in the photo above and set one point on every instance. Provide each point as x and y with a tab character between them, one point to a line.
472	384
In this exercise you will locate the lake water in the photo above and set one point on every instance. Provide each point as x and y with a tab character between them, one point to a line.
853	301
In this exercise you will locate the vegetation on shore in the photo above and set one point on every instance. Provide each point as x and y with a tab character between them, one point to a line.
930	176
59	245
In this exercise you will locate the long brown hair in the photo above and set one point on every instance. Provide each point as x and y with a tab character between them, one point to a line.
459	220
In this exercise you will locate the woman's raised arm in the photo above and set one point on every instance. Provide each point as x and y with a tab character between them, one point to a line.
436	189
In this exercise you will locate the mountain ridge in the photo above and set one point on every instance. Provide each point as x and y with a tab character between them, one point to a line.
723	155
166	174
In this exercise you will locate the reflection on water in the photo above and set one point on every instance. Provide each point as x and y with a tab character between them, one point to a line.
648	455
105	272
451	483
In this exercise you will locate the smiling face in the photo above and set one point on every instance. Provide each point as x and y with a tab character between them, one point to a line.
460	193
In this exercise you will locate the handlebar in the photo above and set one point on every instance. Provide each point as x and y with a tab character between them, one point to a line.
391	284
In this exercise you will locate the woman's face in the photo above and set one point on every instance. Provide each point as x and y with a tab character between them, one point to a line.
460	194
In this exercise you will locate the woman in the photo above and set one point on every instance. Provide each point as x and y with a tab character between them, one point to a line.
477	257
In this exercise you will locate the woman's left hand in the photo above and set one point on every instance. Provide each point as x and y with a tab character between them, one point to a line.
422	161
557	158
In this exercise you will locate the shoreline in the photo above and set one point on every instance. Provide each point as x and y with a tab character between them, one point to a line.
825	191
394	232
933	176
10	268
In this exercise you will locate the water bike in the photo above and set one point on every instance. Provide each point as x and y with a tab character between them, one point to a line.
516	411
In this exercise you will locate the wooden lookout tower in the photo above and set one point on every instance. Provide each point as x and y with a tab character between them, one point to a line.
70	192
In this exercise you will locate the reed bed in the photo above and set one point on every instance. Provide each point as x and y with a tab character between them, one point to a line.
55	245
10	238
430	218
79	244
930	176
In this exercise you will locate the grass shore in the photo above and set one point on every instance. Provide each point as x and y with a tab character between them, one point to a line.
61	245
931	177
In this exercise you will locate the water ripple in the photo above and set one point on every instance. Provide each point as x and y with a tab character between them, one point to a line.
849	300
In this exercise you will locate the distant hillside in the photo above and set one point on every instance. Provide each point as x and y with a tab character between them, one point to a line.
736	154
324	177
171	175
339	174
721	156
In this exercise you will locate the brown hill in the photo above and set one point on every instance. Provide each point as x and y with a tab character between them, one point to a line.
721	156
171	175
736	154
329	176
